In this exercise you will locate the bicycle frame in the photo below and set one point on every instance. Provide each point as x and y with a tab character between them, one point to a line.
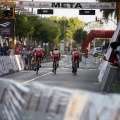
38	63
55	66
75	66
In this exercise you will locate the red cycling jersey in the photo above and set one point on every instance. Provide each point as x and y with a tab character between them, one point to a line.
75	56
38	53
56	55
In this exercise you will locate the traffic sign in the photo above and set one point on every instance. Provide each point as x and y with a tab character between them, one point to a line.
86	12
44	11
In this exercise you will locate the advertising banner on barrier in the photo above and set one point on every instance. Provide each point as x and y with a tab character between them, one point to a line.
14	61
8	63
102	71
19	62
4	65
37	101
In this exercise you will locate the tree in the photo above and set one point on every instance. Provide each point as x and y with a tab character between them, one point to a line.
22	26
46	32
108	12
79	36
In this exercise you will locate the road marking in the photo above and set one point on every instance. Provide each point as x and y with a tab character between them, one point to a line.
50	68
36	78
93	69
27	71
96	83
51	82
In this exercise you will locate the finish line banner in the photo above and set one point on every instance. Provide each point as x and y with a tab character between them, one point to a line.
68	5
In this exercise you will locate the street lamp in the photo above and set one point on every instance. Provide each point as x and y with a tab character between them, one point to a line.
107	19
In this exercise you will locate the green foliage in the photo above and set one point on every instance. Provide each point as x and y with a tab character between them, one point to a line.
108	12
75	23
79	36
46	32
67	26
23	26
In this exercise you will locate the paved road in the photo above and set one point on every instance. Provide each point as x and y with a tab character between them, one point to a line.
86	78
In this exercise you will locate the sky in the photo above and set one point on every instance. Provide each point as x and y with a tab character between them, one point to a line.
75	13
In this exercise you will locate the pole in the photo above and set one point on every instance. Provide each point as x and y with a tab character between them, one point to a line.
64	37
118	11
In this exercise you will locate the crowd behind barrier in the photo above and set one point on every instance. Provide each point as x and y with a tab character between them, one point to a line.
26	52
36	101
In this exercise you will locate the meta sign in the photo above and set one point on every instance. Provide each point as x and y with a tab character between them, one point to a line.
7	27
68	5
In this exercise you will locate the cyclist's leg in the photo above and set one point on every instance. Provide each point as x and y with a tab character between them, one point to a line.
32	62
73	66
35	64
73	63
53	64
78	62
57	61
40	61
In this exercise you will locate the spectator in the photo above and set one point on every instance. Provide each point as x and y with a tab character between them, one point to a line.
115	51
5	50
1	52
17	49
26	54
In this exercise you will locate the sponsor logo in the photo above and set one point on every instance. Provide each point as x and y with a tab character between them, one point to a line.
66	5
5	24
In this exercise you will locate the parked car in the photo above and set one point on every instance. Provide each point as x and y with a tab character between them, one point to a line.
96	51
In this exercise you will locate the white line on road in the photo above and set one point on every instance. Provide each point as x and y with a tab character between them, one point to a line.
36	78
51	82
96	83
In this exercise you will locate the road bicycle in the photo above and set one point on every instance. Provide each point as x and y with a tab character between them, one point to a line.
38	64
55	65
75	66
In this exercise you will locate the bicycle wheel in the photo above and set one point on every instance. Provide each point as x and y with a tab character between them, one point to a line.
37	67
75	68
54	67
40	62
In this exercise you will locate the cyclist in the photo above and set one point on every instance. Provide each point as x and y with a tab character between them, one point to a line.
38	53
75	56
56	55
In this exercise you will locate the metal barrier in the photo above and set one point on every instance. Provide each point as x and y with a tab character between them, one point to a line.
108	79
35	101
116	88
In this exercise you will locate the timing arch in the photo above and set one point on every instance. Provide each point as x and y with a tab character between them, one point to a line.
96	34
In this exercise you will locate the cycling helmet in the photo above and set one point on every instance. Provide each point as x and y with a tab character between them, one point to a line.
55	49
39	46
